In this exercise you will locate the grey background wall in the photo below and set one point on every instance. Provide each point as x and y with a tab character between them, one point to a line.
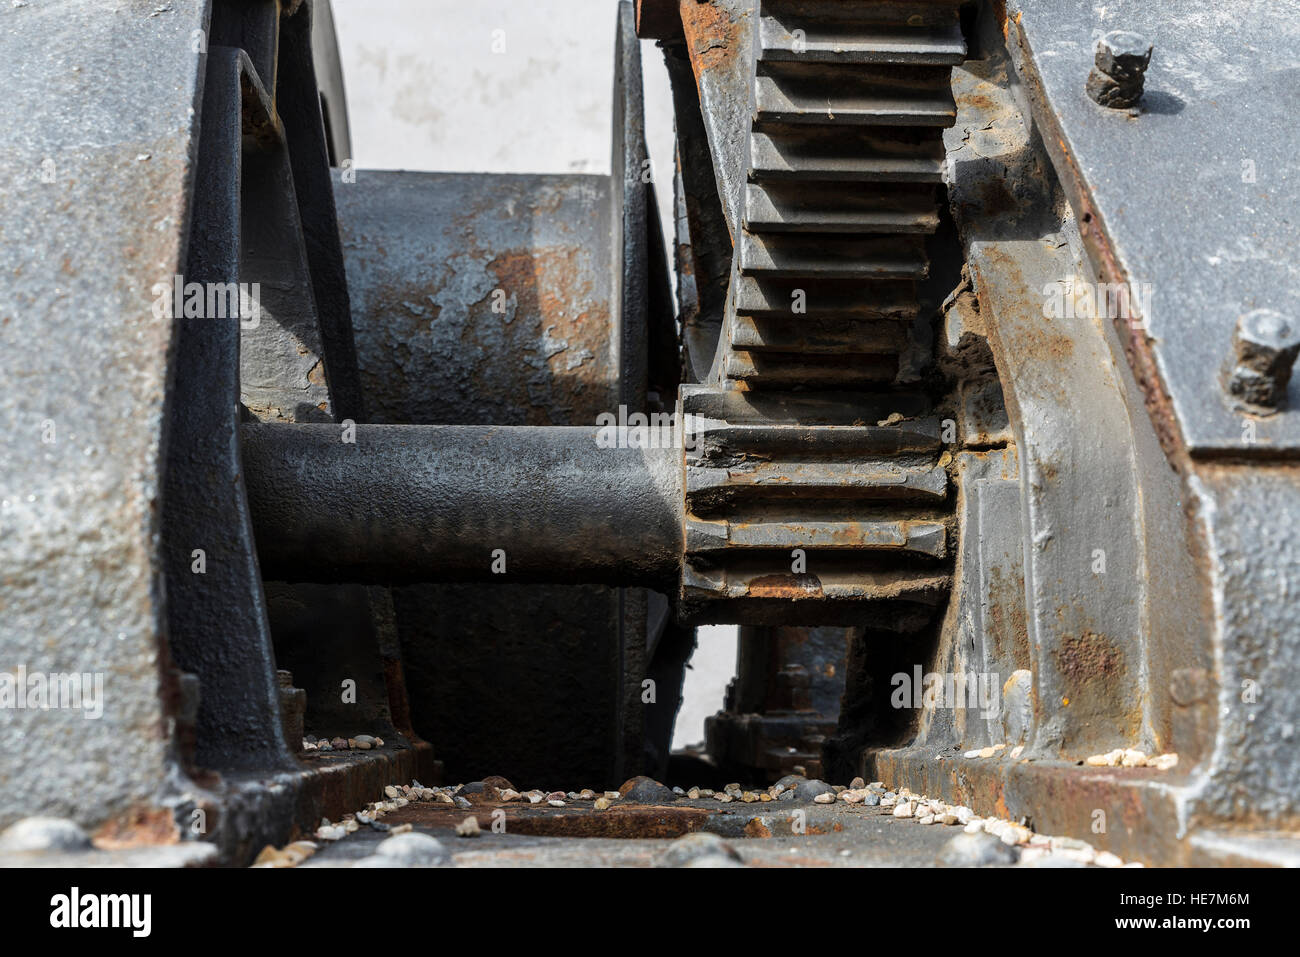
509	86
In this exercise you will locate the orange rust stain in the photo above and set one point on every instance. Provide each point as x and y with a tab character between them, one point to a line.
785	586
138	827
712	36
555	299
756	828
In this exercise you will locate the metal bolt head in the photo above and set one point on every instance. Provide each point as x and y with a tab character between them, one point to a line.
1119	76
1265	347
1123	56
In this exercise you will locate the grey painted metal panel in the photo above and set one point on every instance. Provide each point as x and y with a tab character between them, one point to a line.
1194	194
98	139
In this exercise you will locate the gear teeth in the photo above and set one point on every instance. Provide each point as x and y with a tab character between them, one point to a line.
816	491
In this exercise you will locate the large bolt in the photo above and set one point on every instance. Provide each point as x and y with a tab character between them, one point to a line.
1265	347
1119	76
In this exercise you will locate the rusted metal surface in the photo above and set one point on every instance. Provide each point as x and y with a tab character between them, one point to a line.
93	213
719	42
1211	260
1101	629
658	20
497	300
448	272
218	627
623	823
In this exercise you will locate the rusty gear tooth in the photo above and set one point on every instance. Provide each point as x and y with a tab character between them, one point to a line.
808	520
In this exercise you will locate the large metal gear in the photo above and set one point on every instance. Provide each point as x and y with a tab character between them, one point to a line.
815	490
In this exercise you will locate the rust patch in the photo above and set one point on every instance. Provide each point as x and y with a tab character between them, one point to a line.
138	827
757	829
712	36
789	586
1083	659
566	320
624	823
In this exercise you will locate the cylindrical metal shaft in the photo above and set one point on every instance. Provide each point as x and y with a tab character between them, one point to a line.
404	503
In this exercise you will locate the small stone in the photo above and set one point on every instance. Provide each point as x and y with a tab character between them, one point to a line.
572	795
391	791
826	797
906	809
555	796
1132	758
461	802
765	797
963	814
723	797
480	792
603	803
535	797
331	833
808	790
700	849
1111	759
974	827
1163	762
468	827
1107	859
612	795
693	794
888	799
975	850
925	819
678	791
445	798
987	752
271	857
44	834
401	829
644	790
339	744
852	797
786	796
509	794
706	792
877	785
973	754
870	798
411	849
586	794
735	790
749	797
857	784
555	802
1017	751
1016	834
365	741
1036	857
